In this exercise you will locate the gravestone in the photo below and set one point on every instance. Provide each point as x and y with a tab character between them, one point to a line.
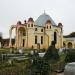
0	45
70	69
38	46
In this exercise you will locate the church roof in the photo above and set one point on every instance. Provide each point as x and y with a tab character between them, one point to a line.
42	19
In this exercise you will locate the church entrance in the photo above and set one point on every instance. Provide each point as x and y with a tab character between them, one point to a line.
55	37
22	36
69	45
23	43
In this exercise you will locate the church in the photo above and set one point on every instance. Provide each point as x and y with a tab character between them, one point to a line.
37	34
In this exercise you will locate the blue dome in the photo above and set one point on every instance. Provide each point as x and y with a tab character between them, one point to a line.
42	19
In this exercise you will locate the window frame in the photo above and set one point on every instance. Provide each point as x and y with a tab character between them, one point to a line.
35	29
35	39
41	30
31	25
41	39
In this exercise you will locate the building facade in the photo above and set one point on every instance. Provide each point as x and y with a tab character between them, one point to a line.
37	34
69	40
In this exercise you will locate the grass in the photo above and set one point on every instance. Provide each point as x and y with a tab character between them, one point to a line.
4	50
16	68
22	66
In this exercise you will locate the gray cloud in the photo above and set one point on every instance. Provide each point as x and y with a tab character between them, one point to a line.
13	10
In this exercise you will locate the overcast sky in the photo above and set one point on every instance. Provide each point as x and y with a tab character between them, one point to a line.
60	10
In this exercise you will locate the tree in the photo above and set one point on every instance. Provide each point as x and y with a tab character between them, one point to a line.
40	66
52	53
1	37
70	56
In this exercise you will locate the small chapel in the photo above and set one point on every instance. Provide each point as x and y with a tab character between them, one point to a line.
37	34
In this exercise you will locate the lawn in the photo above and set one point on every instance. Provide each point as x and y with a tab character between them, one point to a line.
16	67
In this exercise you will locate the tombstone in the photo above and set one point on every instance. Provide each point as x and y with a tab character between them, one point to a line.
41	54
38	46
69	69
10	61
10	50
20	51
0	45
32	52
60	50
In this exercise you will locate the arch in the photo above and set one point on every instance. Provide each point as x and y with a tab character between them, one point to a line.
36	39
55	36
21	28
64	44
23	42
55	30
22	31
70	45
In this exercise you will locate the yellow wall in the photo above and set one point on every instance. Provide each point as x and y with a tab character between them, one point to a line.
31	33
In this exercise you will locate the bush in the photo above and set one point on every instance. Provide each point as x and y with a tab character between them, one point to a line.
70	56
40	67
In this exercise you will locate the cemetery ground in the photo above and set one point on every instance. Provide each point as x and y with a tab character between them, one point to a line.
12	66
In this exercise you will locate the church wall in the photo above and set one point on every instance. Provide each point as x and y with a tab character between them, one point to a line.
16	38
59	37
46	42
31	33
30	37
48	36
38	33
71	40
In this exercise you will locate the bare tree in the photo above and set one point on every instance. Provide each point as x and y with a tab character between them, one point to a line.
1	37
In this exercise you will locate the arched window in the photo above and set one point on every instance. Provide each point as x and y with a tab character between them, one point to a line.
50	27
31	25
41	30
64	44
35	39
35	29
41	39
47	27
23	42
55	36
